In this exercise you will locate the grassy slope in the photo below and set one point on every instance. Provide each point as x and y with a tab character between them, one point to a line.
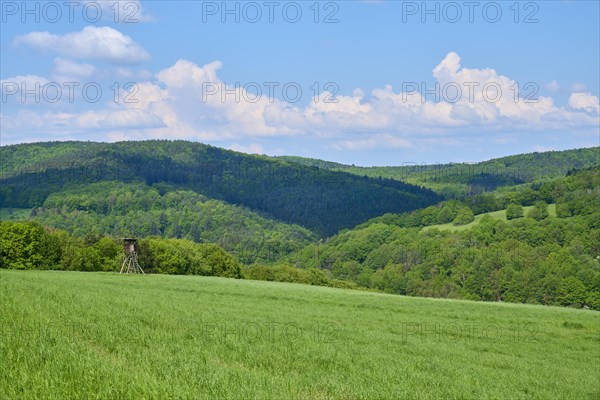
495	214
82	335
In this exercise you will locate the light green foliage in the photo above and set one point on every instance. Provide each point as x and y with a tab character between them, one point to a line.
429	216
184	257
448	212
492	259
499	215
539	211
464	216
109	250
26	246
514	211
122	210
576	194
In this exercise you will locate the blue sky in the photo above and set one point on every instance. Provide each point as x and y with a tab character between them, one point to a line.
381	82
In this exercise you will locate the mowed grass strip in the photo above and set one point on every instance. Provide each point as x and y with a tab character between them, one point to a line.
101	335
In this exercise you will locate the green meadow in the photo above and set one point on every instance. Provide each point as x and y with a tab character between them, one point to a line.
104	335
500	215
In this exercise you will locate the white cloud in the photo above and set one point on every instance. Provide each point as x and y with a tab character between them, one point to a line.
448	69
186	101
100	43
28	80
15	89
192	101
66	71
185	74
584	101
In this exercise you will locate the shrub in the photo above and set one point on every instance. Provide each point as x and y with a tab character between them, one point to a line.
539	211
27	245
464	216
514	211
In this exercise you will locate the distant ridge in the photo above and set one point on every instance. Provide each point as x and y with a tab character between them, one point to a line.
455	179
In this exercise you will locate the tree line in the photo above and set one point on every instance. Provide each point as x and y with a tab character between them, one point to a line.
28	245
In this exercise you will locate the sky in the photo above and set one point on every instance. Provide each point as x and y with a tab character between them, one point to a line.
358	82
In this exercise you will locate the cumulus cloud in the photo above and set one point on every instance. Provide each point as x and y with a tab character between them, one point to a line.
14	89
185	74
190	98
66	70
28	80
584	101
99	43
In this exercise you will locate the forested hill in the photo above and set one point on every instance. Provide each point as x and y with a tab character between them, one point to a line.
458	179
321	200
516	254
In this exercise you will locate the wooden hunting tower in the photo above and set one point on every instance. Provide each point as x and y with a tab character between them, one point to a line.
130	263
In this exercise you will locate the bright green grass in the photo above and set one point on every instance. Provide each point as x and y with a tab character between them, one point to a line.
100	335
496	214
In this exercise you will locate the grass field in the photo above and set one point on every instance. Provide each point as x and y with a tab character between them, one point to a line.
101	335
495	214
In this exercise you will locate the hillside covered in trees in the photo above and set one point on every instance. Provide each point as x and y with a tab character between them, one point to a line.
531	258
320	200
459	179
134	209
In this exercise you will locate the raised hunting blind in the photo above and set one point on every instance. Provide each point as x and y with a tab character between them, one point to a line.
130	263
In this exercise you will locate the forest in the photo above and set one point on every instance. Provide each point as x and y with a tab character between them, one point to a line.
459	179
321	200
135	209
529	258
